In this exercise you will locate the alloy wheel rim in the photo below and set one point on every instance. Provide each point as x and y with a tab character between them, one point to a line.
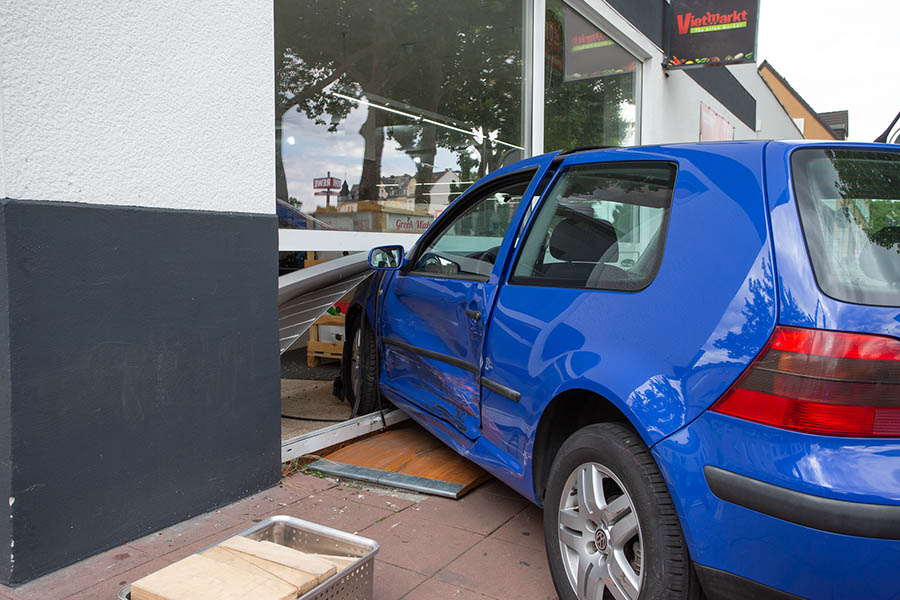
600	536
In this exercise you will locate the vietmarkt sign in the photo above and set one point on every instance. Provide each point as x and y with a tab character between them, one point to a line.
712	32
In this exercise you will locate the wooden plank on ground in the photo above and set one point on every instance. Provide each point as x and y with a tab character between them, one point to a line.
414	452
200	578
341	562
282	555
302	581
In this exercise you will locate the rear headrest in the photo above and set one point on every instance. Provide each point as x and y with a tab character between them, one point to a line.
584	240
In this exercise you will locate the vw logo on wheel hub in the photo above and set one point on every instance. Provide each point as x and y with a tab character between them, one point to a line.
600	540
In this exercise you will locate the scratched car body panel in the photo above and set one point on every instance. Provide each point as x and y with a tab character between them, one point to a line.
509	305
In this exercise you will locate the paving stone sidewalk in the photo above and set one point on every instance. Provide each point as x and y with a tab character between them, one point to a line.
489	545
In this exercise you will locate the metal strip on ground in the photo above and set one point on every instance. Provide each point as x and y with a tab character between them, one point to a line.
390	479
314	441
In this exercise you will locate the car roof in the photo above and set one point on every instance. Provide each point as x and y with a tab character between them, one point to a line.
716	147
675	150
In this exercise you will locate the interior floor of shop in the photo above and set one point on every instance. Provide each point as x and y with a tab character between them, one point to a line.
309	405
487	546
294	365
307	401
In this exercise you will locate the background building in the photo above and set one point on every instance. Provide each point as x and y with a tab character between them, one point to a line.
838	122
815	126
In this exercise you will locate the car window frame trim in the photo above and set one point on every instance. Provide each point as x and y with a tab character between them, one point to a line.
796	198
456	208
567	163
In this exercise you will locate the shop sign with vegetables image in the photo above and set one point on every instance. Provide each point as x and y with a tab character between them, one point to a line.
711	32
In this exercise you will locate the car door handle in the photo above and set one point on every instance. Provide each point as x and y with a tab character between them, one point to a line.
475	315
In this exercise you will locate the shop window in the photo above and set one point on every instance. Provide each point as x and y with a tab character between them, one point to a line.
386	111
601	227
589	84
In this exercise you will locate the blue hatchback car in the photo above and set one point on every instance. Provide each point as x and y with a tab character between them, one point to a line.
688	355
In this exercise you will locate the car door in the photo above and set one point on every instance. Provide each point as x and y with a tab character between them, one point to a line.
434	310
574	310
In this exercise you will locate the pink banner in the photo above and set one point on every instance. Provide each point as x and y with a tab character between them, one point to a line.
713	126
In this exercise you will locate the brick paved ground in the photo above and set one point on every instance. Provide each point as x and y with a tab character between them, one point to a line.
489	545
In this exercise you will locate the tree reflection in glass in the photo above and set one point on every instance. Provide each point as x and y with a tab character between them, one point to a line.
407	102
589	84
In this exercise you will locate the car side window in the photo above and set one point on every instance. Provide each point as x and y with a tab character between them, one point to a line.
602	226
467	247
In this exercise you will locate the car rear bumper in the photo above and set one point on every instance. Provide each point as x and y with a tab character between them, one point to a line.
858	519
802	515
721	585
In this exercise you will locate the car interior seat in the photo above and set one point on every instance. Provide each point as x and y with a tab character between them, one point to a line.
581	244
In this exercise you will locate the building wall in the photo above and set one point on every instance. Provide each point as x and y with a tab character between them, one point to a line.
138	244
679	109
672	107
812	129
648	16
670	101
773	121
5	405
138	103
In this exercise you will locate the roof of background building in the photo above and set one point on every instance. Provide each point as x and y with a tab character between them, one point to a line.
838	120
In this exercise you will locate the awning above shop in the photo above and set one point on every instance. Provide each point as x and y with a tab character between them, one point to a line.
304	295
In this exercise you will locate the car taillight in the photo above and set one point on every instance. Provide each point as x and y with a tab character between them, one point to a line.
821	382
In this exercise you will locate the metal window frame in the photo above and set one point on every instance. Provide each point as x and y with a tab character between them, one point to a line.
537	10
535	61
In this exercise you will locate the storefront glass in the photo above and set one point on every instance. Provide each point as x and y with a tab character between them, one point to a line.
589	84
387	110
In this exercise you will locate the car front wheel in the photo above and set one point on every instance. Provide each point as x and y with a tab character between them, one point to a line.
359	368
610	527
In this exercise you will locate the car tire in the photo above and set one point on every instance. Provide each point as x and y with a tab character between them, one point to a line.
610	527
359	368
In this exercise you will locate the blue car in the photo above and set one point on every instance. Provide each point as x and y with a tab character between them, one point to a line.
688	355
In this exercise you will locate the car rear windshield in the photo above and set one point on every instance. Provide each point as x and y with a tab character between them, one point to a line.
849	204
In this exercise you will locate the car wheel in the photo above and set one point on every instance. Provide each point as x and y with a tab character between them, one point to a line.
610	528
359	368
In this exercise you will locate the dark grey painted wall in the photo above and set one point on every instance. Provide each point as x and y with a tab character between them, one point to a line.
725	87
647	15
5	470
144	372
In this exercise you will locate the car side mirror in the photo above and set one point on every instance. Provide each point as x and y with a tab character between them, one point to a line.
386	258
